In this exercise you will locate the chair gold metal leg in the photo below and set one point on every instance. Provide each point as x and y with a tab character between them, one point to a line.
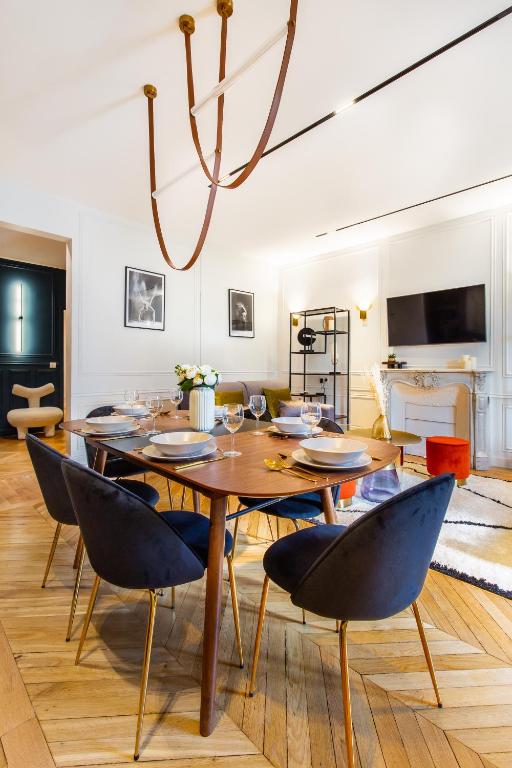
296	524
235	537
270	526
257	642
87	619
79	547
173	598
236	615
426	651
52	553
337	625
303	616
76	590
278	526
345	688
145	670
183	497
169	491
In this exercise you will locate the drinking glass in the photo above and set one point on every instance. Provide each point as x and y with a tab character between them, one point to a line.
310	414
257	406
175	396
154	405
233	418
130	397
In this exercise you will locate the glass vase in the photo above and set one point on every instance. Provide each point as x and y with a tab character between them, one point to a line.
380	485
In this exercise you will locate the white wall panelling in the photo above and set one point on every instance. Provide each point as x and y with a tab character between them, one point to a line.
475	249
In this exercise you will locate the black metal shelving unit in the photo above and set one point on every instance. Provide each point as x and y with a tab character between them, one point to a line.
337	358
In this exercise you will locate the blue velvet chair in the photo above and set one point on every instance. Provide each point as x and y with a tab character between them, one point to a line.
47	464
367	571
304	507
132	546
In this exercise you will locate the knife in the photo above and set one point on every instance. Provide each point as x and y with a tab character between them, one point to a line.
198	463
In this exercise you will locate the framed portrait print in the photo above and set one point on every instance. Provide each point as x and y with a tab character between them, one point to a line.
144	299
241	313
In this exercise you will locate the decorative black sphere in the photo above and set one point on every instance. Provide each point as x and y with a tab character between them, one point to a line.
306	337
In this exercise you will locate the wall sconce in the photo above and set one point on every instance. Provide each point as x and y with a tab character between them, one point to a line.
363	312
18	311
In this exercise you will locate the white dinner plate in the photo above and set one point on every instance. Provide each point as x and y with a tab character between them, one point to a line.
106	435
273	428
150	452
302	458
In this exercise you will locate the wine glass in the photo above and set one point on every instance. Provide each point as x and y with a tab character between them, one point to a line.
130	397
257	406
310	414
233	418
175	396
154	405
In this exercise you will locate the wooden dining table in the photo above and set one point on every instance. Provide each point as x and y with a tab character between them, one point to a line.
245	475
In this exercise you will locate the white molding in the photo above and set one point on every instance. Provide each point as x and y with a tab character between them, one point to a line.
507	309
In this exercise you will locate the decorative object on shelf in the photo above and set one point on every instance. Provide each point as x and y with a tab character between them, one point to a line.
321	348
187	26
200	381
241	313
307	337
335	358
144	299
380	428
392	362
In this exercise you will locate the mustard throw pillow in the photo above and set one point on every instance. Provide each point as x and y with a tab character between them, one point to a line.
223	397
274	397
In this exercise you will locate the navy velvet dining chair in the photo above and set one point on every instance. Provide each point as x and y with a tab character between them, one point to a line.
367	571
47	463
131	545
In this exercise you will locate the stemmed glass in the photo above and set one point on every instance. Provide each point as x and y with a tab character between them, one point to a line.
175	396
257	406
233	418
130	397
310	414
154	405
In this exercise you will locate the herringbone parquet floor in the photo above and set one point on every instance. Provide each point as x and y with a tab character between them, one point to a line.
54	713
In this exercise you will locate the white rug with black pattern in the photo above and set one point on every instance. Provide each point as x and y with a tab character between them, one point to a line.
475	544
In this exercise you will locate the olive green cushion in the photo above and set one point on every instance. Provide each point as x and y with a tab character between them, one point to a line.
274	397
223	397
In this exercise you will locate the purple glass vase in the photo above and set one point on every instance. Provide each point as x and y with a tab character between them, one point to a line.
380	485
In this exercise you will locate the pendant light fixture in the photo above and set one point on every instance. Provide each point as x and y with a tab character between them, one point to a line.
187	26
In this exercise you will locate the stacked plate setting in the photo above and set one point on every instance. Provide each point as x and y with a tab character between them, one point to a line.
178	446
292	425
137	410
332	453
111	425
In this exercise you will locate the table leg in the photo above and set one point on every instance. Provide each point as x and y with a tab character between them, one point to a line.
401	455
100	460
212	613
197	501
328	505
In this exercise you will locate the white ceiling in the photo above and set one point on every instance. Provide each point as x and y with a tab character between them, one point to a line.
74	118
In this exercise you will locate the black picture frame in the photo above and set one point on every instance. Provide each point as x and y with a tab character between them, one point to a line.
144	297
241	313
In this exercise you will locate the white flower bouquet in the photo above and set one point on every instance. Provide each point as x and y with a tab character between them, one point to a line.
190	376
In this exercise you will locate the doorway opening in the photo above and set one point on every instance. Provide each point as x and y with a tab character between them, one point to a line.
34	319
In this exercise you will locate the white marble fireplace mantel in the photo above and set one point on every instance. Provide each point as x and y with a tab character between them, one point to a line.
443	401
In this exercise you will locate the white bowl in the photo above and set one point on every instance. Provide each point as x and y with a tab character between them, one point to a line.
180	443
333	450
137	409
110	423
290	425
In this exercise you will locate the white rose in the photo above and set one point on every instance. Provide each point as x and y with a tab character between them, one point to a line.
198	379
219	378
191	372
210	380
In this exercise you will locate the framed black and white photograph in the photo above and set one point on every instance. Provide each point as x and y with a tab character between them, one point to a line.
144	299
241	313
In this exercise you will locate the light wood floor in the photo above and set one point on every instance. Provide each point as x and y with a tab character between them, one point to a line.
53	713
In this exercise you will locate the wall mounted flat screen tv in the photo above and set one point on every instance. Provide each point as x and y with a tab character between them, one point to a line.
455	316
